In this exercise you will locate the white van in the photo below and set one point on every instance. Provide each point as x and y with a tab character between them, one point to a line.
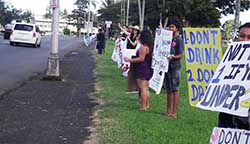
26	33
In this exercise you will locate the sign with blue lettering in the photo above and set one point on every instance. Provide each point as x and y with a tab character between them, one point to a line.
229	89
202	53
229	136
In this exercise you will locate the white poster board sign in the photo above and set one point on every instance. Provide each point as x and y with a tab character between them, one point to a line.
229	136
162	46
157	80
126	65
120	51
121	46
108	23
115	54
229	89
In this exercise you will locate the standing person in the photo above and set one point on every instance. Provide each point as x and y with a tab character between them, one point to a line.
133	38
101	40
132	33
132	41
172	77
142	67
227	120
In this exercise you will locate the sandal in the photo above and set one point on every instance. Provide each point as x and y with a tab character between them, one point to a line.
166	114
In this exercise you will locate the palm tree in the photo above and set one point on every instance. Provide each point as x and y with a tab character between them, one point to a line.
85	5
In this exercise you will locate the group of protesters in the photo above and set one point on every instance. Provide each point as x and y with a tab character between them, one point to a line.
143	42
141	69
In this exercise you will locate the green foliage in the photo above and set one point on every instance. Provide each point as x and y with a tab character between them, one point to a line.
48	13
66	31
228	29
108	2
202	13
8	13
229	6
64	14
121	122
197	13
26	15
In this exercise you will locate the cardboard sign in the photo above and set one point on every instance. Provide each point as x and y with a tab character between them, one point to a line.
203	54
229	89
229	136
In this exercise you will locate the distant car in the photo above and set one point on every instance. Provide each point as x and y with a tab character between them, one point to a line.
7	31
26	33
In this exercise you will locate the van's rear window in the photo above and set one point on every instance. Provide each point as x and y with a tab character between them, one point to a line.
23	27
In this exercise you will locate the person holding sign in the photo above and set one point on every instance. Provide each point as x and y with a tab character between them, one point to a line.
142	67
172	77
133	37
228	120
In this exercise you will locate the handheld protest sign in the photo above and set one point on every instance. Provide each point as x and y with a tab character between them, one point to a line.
162	46
229	88
229	136
202	54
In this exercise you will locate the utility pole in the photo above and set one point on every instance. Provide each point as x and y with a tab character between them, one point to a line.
237	16
123	12
141	12
128	3
53	60
89	1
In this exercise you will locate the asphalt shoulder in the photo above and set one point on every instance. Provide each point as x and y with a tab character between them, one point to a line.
52	112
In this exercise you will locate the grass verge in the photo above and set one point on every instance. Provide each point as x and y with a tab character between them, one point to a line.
121	122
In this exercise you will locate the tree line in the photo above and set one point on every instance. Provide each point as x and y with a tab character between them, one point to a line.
8	13
195	13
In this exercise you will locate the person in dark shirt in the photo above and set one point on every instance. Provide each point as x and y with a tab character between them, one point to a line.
101	40
142	65
133	38
172	77
231	121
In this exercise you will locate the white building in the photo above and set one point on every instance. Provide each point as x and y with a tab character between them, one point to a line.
45	24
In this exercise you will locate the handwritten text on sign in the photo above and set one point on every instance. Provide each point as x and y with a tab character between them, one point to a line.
163	39
229	89
203	53
229	136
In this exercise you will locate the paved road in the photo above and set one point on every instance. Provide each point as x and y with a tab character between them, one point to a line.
51	112
18	63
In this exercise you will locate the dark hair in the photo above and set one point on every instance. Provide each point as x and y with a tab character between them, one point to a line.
175	22
99	30
236	33
146	38
246	25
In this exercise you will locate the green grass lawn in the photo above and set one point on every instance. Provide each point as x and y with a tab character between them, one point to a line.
121	122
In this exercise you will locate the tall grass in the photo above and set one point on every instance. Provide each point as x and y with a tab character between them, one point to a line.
121	122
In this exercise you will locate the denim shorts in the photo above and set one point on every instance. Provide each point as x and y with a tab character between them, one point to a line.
172	80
